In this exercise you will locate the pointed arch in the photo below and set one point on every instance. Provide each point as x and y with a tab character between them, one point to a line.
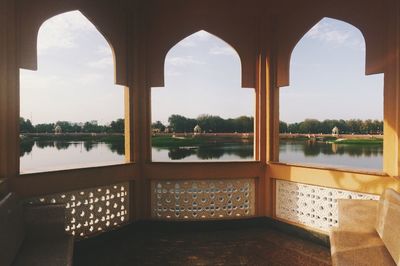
329	85
203	90
74	81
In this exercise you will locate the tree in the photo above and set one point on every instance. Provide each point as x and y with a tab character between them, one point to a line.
283	127
181	124
45	128
25	126
118	126
158	125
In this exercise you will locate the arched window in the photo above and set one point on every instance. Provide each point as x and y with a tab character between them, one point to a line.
332	112
202	113
71	110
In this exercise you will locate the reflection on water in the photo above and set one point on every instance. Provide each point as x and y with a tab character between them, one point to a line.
54	155
220	152
357	156
46	155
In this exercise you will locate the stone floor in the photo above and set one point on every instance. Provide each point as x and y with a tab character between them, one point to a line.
205	244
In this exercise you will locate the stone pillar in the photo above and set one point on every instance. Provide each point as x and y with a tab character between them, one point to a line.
391	163
9	92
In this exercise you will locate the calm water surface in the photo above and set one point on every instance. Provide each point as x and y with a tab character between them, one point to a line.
53	155
355	156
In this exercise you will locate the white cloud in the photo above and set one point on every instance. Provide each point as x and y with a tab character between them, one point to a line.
325	32
187	43
31	80
336	32
101	63
173	73
88	78
222	50
62	30
182	61
202	35
194	39
104	50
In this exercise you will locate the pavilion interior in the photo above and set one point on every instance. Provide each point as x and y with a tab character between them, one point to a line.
141	32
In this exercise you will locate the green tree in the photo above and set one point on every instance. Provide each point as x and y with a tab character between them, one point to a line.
25	126
118	126
158	125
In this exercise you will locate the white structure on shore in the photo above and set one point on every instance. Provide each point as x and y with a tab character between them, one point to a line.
58	129
335	131
197	129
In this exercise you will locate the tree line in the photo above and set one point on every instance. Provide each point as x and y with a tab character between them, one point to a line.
116	126
207	123
352	126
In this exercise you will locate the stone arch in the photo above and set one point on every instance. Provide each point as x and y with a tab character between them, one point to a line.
112	27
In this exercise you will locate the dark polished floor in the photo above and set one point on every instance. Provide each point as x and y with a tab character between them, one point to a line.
222	243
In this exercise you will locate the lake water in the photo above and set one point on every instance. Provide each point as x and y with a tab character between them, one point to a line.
56	155
53	155
355	156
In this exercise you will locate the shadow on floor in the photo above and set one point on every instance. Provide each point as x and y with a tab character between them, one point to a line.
248	242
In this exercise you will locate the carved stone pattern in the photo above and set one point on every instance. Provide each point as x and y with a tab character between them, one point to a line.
202	199
91	211
312	206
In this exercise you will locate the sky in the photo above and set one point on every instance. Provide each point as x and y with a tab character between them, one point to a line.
75	77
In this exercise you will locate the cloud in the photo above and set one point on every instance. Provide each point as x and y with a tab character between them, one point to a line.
222	50
30	80
202	35
61	32
104	50
194	39
182	61
325	32
173	73
337	33
89	78
101	63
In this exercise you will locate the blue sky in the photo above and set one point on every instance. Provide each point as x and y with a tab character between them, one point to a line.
75	79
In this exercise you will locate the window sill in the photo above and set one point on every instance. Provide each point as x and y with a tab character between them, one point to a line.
331	168
75	167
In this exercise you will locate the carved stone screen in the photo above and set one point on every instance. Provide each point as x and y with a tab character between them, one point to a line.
90	211
313	206
203	199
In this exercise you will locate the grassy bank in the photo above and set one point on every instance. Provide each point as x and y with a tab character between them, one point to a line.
201	140
168	141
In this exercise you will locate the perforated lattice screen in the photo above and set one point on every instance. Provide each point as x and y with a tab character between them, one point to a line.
93	210
313	206
203	199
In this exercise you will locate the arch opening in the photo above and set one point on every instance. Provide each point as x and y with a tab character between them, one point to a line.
202	113
332	113
72	113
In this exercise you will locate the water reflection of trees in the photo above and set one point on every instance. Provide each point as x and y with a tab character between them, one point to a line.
314	148
180	153
207	152
117	147
26	146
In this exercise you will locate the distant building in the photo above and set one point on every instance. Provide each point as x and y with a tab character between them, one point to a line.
58	129
156	130
197	129
335	131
